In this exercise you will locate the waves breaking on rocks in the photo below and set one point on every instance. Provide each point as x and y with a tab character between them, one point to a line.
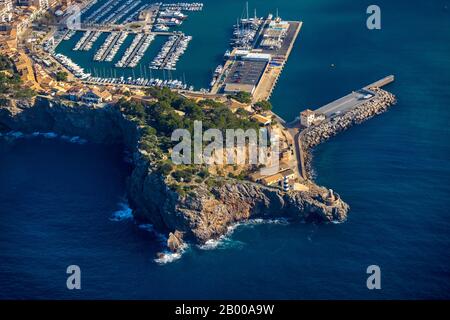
226	242
14	135
125	213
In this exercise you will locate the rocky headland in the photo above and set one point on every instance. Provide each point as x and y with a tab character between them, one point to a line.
204	213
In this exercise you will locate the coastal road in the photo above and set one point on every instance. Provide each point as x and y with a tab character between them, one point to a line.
295	131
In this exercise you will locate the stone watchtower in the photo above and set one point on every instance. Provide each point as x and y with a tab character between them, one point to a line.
330	198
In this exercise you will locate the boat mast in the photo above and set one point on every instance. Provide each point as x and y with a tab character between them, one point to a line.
246	5
238	31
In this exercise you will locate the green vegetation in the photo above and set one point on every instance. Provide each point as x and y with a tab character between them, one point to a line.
243	97
61	76
263	105
24	93
46	19
183	175
10	84
170	112
166	168
5	63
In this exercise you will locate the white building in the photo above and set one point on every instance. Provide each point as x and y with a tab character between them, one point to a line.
6	10
252	56
309	117
43	4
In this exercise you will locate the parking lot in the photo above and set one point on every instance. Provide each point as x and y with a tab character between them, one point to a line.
246	72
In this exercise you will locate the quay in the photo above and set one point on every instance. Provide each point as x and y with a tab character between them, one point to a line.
272	73
106	48
84	41
381	83
352	100
136	51
256	69
171	51
115	27
314	127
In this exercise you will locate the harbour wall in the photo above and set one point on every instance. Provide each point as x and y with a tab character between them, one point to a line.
315	135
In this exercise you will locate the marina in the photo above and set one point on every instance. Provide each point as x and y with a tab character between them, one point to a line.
115	48
87	40
100	12
121	12
171	52
139	82
110	46
196	6
257	52
259	49
245	32
89	78
69	35
92	16
71	66
136	51
134	15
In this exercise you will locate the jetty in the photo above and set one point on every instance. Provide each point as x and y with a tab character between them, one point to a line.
171	51
136	51
87	40
261	47
107	46
315	127
352	100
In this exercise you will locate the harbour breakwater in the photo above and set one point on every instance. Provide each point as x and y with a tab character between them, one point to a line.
205	213
315	135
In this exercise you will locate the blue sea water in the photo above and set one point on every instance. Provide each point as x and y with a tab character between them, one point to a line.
62	203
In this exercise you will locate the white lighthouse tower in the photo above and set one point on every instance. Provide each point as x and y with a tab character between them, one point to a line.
286	185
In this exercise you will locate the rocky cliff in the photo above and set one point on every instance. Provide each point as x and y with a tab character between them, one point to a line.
204	213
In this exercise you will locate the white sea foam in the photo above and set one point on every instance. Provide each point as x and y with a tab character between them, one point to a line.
147	227
46	135
168	257
49	135
124	213
77	140
66	138
225	241
15	134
